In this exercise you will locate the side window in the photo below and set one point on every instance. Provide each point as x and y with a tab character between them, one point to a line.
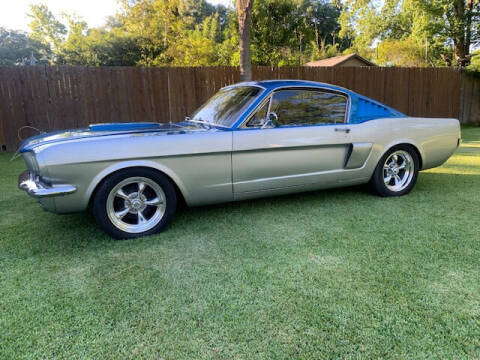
308	107
259	117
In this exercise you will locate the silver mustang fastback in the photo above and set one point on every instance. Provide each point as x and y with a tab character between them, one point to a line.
249	140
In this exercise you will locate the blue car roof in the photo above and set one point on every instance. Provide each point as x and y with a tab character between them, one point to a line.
272	84
362	108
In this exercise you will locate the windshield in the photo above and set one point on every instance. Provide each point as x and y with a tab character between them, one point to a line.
225	106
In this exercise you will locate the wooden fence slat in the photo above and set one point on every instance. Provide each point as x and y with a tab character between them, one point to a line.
17	109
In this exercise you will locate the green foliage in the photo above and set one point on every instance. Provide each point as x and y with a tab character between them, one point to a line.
283	32
291	32
17	48
456	21
228	50
323	53
412	32
409	52
475	63
97	47
272	31
198	47
405	52
46	29
172	31
191	33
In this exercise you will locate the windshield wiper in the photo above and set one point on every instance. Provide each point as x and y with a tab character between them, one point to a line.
209	124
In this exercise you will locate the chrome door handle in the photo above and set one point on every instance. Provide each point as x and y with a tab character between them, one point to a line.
347	130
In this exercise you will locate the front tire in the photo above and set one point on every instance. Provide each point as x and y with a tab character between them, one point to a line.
396	172
134	202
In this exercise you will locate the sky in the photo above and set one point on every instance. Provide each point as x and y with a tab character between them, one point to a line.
94	12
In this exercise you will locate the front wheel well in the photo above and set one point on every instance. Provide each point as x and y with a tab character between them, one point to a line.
180	197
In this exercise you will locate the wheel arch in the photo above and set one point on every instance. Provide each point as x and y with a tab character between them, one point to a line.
109	171
408	143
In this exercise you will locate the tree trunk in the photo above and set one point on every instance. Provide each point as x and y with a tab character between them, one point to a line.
468	25
323	46
244	9
460	50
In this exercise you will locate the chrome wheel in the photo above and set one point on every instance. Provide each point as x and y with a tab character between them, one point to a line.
136	204
398	170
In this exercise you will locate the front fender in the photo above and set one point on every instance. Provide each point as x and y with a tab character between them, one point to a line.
135	163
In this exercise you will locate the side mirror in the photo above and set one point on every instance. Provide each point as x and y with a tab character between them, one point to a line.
270	120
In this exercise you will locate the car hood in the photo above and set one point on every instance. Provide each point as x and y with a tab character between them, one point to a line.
110	129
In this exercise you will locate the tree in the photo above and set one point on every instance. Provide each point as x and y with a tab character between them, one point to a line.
166	30
405	52
274	36
99	47
458	21
193	32
16	48
228	50
198	47
475	63
244	10
293	32
323	18
46	29
433	28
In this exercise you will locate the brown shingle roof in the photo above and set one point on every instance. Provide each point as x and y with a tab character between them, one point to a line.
337	60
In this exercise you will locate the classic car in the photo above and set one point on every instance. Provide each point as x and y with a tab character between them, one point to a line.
249	140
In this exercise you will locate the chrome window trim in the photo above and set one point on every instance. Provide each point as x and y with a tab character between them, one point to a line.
254	111
243	126
244	84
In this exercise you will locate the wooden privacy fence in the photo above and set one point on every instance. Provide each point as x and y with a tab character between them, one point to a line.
61	97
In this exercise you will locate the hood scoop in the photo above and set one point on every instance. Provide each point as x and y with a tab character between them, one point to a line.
124	126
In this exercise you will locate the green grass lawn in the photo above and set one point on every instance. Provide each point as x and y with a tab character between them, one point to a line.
330	274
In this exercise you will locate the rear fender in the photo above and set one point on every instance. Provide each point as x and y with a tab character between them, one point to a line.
406	141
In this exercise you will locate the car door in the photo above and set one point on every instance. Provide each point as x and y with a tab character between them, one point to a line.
307	143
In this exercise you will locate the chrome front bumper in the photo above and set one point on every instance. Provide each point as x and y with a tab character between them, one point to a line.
32	185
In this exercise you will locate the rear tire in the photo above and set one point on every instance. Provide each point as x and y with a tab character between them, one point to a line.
396	172
134	202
